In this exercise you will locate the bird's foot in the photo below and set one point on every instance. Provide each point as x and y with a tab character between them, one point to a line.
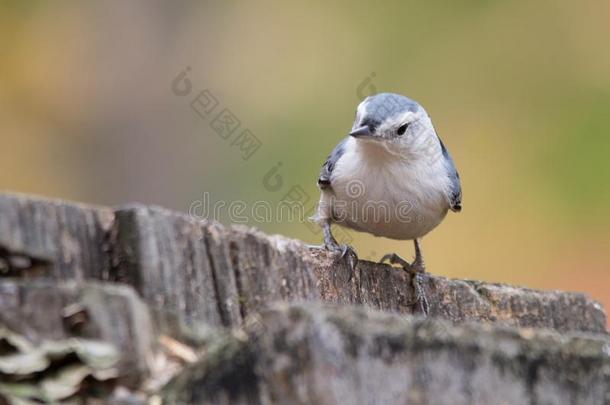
344	252
417	271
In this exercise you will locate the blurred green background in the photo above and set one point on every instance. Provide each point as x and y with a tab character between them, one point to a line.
519	91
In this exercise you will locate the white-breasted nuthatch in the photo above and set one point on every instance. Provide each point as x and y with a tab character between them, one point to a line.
392	177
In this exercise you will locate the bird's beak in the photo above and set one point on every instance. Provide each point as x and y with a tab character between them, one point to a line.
362	132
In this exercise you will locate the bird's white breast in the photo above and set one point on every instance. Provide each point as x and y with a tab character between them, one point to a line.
387	195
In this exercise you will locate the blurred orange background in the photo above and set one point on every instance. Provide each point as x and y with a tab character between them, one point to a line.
519	91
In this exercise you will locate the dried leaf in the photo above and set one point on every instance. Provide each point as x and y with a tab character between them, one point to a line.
19	393
65	383
97	355
16	342
56	349
24	364
39	378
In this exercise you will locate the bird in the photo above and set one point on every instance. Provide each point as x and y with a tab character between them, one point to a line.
393	177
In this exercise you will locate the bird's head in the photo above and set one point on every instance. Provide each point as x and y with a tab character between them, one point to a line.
396	122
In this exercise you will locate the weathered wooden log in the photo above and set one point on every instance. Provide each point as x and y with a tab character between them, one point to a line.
130	276
198	271
51	238
308	353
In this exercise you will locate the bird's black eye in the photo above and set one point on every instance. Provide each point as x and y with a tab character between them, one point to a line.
402	129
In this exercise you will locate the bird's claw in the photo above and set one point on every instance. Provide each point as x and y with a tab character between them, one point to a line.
345	252
416	270
393	258
346	249
348	252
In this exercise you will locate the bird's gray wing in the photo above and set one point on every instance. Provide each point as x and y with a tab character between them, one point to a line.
455	196
329	165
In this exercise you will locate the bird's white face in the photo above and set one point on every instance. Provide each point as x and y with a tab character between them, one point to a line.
403	133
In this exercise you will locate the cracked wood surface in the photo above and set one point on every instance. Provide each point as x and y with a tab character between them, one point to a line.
191	272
